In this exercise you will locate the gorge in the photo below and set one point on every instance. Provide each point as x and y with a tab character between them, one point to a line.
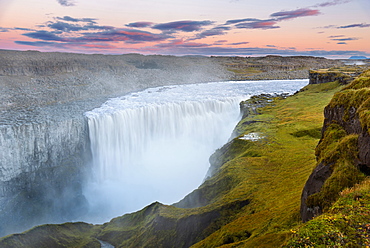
51	108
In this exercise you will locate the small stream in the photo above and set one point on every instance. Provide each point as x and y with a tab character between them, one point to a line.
105	244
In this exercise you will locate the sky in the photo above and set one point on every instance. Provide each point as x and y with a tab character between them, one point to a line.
325	28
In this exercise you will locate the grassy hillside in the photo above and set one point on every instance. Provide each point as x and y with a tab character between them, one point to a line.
345	195
271	172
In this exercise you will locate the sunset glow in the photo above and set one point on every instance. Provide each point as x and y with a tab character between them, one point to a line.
328	28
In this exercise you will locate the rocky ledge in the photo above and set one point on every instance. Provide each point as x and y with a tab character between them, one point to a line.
343	153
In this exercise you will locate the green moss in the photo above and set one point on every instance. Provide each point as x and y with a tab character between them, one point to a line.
345	224
356	95
328	145
360	82
339	152
313	132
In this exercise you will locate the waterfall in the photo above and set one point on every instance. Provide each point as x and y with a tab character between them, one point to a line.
129	138
154	145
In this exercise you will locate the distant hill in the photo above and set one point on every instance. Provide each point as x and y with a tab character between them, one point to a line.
358	57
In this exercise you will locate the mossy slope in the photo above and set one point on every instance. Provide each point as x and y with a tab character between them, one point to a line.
343	152
345	224
78	235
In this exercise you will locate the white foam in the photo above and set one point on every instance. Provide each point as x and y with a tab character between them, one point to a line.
154	145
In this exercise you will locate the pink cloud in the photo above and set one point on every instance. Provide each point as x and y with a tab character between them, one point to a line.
260	24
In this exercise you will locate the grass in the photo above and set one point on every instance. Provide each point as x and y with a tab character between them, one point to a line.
273	181
345	224
345	195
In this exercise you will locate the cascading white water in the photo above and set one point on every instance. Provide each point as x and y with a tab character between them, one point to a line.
154	145
123	141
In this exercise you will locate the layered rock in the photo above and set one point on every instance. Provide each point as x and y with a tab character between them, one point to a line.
344	74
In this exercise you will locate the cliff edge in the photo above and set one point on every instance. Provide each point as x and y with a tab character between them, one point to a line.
343	153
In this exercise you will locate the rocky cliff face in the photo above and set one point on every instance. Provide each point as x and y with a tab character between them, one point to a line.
343	153
342	74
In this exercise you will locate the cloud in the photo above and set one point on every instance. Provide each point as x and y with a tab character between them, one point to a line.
139	24
23	29
71	19
229	22
253	23
44	35
67	27
342	43
260	24
221	30
130	35
292	14
359	25
38	43
239	43
113	35
332	3
344	39
328	26
336	36
4	30
181	47
85	30
66	3
185	26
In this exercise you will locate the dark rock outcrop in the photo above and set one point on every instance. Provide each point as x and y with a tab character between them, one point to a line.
320	77
313	185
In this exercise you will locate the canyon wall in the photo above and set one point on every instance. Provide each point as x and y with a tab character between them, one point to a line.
44	144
